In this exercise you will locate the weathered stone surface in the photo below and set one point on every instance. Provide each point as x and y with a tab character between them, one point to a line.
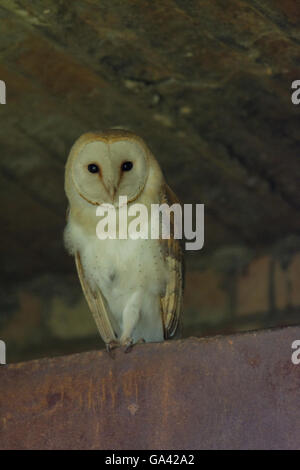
238	392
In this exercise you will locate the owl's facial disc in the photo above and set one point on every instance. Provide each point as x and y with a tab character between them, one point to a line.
102	171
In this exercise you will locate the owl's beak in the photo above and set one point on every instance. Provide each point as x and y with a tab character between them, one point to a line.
112	191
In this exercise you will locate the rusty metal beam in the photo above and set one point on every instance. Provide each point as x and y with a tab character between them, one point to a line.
230	392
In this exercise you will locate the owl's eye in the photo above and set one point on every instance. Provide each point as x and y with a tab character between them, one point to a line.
93	168
126	166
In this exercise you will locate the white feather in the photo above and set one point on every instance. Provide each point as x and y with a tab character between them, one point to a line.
130	273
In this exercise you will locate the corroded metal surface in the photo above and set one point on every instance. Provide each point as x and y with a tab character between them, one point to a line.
236	392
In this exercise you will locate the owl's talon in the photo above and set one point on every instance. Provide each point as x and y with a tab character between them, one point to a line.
111	346
127	343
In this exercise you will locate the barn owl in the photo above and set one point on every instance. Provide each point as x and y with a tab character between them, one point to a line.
133	287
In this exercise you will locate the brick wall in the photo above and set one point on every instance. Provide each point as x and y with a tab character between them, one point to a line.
266	294
49	315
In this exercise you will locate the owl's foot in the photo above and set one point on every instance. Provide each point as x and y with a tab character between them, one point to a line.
128	344
111	346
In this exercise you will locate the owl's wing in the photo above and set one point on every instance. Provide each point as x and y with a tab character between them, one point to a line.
97	305
171	302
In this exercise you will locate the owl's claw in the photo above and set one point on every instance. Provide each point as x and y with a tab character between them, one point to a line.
128	344
111	346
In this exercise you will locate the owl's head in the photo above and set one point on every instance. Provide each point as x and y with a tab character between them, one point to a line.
105	165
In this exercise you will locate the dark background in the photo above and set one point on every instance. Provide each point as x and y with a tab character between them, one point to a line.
208	85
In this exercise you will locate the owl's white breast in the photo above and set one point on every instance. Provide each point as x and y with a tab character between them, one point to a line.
120	268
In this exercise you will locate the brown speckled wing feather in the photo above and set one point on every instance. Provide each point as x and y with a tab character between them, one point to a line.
97	305
171	302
